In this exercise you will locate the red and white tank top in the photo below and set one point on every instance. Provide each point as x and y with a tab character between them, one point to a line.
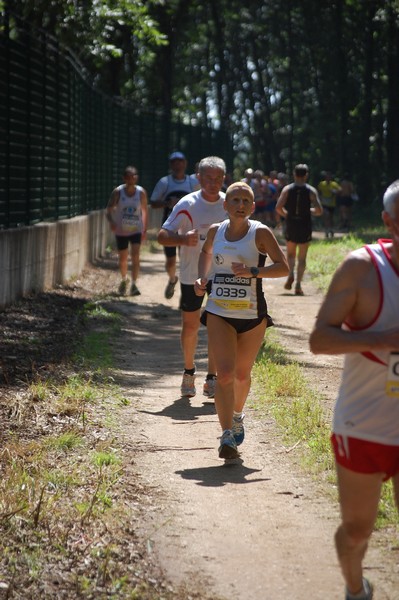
364	408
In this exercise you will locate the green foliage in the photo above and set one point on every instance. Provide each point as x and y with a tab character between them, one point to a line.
286	96
94	349
105	459
387	510
96	310
40	390
283	392
105	35
324	256
65	442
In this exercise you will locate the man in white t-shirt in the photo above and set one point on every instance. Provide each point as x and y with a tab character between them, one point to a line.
187	227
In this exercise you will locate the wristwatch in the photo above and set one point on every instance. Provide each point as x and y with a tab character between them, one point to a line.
254	271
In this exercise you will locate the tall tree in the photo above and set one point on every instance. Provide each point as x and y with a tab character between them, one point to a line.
290	79
392	145
113	39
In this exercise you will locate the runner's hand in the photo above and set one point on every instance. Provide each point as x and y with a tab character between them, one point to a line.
200	286
192	237
240	269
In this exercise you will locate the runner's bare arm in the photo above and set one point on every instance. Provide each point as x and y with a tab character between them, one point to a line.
112	202
144	211
316	208
205	261
166	237
346	299
205	258
281	202
266	244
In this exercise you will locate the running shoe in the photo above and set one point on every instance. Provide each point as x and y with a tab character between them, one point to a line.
368	591
238	429
134	290
288	283
170	289
209	387
123	287
228	446
188	385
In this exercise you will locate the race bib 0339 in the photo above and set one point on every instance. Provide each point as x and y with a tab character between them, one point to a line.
230	292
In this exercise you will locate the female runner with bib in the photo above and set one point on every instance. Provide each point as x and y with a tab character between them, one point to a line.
233	261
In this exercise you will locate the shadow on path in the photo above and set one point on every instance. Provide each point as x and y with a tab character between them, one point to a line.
181	410
217	476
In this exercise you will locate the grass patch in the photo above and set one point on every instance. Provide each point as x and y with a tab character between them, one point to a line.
324	256
387	511
94	310
95	352
282	392
60	478
70	440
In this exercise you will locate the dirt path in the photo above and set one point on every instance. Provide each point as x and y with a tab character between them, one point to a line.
258	530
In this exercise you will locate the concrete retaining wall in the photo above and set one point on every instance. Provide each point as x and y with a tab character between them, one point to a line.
37	258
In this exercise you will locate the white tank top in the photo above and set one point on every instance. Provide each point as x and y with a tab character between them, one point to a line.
127	215
231	296
364	409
